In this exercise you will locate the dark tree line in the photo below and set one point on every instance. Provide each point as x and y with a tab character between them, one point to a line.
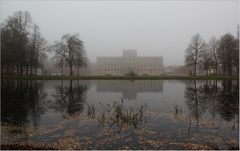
216	57
22	45
23	48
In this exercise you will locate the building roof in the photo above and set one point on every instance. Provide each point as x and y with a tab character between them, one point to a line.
129	53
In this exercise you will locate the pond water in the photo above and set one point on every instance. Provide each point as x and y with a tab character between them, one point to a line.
121	114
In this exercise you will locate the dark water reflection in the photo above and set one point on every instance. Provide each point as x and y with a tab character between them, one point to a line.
70	99
182	113
216	98
22	102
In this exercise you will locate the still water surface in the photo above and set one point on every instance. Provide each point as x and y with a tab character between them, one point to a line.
165	114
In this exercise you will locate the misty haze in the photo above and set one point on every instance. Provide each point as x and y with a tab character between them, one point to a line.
132	75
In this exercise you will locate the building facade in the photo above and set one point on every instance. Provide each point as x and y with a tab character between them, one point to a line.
129	61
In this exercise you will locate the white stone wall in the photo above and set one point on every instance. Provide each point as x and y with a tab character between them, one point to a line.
123	65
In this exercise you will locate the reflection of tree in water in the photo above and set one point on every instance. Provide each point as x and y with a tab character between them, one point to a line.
70	99
222	100
211	92
196	104
22	101
228	102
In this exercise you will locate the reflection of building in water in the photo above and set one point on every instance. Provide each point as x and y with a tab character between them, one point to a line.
129	61
129	89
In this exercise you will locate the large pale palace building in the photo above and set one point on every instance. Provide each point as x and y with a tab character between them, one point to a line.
129	61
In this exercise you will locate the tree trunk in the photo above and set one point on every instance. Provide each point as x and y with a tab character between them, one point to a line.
237	69
12	69
31	71
35	71
27	68
78	70
216	63
61	66
195	68
223	68
62	70
18	70
229	68
7	69
71	71
21	70
216	69
223	64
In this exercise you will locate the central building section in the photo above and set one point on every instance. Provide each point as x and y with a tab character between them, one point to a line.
129	62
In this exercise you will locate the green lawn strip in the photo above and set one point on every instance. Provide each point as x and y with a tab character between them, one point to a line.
121	77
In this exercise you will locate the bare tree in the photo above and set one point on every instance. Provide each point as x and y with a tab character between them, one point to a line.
80	59
37	48
205	59
7	51
236	52
59	55
68	48
192	52
20	24
226	53
22	44
213	46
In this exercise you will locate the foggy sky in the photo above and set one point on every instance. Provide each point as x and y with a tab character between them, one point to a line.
154	28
